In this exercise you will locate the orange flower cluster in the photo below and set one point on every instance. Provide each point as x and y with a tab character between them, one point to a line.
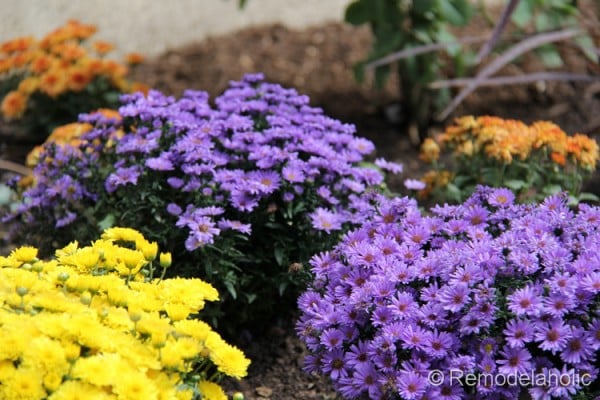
57	64
70	135
506	139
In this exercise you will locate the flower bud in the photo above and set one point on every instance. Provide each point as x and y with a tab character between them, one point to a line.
165	260
22	291
238	396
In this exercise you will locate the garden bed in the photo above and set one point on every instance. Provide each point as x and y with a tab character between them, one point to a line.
317	62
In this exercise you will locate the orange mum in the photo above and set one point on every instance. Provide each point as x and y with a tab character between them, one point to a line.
13	104
101	47
53	82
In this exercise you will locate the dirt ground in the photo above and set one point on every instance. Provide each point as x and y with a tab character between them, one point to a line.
318	61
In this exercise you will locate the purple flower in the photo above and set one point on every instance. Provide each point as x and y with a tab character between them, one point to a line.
235	225
121	177
518	333
525	301
411	385
159	164
414	184
455	297
501	197
389	166
325	220
553	336
514	361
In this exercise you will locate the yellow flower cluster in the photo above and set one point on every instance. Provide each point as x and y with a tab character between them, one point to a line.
94	323
57	64
505	139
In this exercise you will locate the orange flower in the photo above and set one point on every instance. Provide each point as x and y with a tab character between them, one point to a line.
101	47
558	158
41	63
584	149
113	69
13	104
78	78
17	45
70	51
53	82
430	150
139	87
6	65
29	85
134	58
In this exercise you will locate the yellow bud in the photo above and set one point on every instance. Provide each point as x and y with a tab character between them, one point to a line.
165	260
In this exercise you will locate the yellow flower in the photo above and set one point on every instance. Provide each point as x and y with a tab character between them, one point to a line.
177	312
229	359
100	369
124	234
45	354
430	150
78	390
193	327
24	384
7	369
24	254
134	385
211	391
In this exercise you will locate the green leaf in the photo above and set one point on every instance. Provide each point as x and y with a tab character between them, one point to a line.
550	56
231	289
514	184
586	44
279	255
250	297
453	192
523	13
358	13
5	194
456	12
552	189
107	222
282	286
586	196
422	7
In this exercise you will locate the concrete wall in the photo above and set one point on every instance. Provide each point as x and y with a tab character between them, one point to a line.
153	26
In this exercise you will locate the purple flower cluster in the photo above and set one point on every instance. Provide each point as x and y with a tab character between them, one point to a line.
261	144
484	287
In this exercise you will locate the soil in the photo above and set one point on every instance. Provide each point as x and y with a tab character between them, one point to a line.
318	62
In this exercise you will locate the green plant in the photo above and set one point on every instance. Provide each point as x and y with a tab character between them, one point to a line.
409	32
532	160
410	25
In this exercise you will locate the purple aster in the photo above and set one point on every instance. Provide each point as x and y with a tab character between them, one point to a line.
591	282
514	361
293	172
414	184
438	344
524	301
433	315
411	385
414	337
121	177
564	383
243	201
361	145
366	377
454	297
403	305
447	391
358	355
174	209
594	333
518	332
334	364
501	198
558	304
552	336
578	348
325	220
389	166
161	163
263	182
235	225
332	338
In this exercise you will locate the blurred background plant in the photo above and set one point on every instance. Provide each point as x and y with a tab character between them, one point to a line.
49	82
410	34
534	161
